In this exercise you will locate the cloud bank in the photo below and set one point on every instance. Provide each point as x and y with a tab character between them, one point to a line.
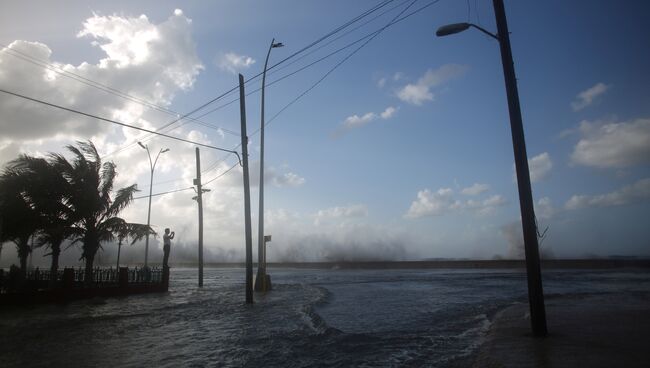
421	91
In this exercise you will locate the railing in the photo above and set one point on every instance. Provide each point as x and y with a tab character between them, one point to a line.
76	278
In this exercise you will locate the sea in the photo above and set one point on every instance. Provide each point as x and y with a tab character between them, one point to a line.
311	318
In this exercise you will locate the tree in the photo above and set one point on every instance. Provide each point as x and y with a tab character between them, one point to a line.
134	231
90	187
20	220
48	193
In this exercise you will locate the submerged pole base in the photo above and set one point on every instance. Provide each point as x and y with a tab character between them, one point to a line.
263	281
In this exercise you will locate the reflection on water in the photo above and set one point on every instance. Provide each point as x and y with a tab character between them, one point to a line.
311	318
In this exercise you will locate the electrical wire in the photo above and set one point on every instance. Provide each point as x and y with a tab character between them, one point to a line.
373	34
115	122
220	175
188	188
167	192
233	89
102	87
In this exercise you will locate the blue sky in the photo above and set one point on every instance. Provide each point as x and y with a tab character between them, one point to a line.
404	151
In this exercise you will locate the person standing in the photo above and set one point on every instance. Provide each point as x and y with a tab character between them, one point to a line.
167	244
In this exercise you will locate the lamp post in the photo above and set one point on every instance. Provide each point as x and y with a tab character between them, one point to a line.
260	281
533	271
152	164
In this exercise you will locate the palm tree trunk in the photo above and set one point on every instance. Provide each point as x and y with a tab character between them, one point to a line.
88	274
119	247
54	268
23	253
23	264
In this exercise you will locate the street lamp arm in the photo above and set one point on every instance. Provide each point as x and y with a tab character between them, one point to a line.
157	156
496	37
238	158
454	28
151	164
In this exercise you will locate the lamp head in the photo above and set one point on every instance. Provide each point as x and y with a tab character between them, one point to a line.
450	29
165	150
277	44
142	145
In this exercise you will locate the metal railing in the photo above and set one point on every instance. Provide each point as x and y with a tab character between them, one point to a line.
102	277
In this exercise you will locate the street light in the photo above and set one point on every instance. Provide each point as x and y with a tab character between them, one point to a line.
152	164
260	281
535	292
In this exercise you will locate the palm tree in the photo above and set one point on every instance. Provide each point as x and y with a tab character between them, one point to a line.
90	187
20	220
134	231
48	193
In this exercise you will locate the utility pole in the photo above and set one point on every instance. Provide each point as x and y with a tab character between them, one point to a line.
247	194
528	223
261	283
533	269
199	199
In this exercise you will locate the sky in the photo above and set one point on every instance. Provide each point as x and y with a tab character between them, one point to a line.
395	147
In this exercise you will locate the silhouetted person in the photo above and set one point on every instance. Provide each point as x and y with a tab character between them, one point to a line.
167	244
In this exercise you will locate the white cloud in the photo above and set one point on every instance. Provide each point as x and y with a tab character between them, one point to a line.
381	82
388	113
149	61
278	177
544	208
136	41
420	92
613	145
234	63
587	97
288	180
442	202
355	210
475	189
540	167
637	192
356	121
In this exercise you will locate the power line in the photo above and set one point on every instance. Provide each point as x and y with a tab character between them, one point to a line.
102	87
322	38
373	34
220	175
369	35
188	188
340	36
116	122
163	193
233	89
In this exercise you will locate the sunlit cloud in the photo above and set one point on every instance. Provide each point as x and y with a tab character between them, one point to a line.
420	92
442	202
234	63
588	96
613	145
635	193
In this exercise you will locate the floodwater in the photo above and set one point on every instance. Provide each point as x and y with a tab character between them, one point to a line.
325	318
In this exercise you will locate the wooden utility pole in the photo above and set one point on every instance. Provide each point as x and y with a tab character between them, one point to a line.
199	199
247	194
535	292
